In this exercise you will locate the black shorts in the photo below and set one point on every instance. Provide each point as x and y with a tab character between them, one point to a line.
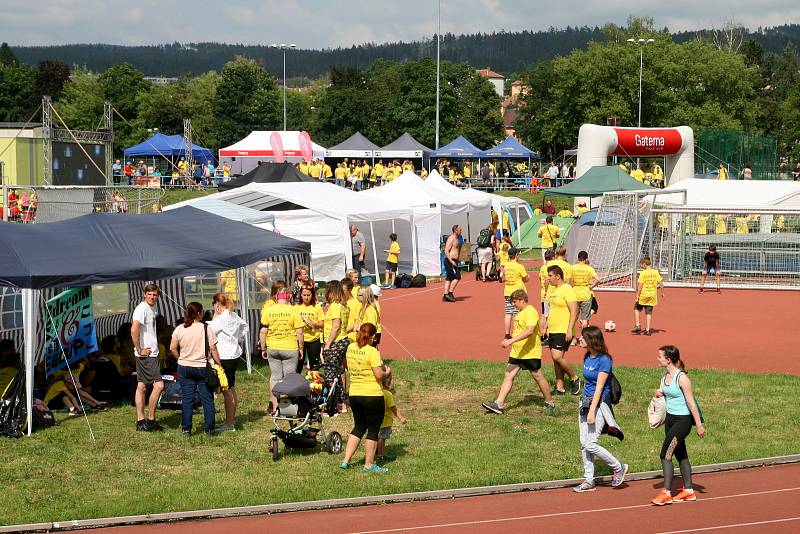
230	366
528	364
390	266
648	310
452	272
148	370
710	269
558	342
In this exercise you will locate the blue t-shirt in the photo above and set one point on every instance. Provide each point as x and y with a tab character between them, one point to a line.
592	366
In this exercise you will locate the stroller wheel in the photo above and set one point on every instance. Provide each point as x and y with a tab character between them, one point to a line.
334	443
273	447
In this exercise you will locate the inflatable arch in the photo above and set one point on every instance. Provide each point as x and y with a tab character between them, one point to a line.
596	143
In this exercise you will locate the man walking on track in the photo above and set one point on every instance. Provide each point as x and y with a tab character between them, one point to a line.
148	369
526	353
452	252
584	278
710	266
516	277
563	308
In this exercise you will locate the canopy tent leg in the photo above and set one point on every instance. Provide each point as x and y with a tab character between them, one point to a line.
374	250
519	229
469	231
415	258
244	309
29	318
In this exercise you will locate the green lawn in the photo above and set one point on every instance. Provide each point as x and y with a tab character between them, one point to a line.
173	196
449	442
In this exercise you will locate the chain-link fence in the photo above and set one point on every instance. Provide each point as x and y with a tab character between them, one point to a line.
31	204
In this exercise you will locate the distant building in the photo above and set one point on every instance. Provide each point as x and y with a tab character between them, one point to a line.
511	106
22	146
498	80
161	80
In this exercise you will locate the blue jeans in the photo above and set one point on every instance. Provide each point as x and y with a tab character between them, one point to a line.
191	380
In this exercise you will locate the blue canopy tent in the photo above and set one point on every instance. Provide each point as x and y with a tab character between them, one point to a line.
458	148
510	148
169	147
105	248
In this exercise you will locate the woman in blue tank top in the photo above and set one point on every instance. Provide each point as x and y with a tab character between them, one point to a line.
682	413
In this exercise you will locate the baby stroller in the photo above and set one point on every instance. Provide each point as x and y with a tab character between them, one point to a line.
298	418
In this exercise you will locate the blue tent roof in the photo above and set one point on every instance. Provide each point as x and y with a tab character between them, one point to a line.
161	145
510	148
458	148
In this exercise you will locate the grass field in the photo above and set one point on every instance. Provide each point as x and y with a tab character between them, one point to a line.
173	196
60	474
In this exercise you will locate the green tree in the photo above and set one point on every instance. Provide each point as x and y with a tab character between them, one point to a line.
7	57
480	119
122	85
81	102
246	99
17	98
51	76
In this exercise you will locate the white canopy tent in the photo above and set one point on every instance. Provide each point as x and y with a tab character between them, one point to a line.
408	189
517	210
731	193
467	208
230	211
322	214
243	156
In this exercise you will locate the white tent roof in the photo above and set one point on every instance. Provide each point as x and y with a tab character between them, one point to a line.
410	190
734	193
257	145
500	201
228	210
472	199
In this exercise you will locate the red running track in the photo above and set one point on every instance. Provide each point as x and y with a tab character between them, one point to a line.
744	330
762	500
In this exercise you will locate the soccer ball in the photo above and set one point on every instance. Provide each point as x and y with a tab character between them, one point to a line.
610	326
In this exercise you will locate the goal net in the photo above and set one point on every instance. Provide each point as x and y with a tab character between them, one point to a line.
758	247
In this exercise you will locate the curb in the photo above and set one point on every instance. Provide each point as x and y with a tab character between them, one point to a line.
219	513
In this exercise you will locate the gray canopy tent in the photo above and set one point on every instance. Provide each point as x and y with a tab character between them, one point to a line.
106	248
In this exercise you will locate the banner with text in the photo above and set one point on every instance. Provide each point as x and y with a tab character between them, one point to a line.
70	328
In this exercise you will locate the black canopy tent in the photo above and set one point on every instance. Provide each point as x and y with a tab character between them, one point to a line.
108	248
268	173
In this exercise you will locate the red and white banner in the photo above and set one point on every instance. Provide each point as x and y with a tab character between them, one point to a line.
306	148
647	142
277	146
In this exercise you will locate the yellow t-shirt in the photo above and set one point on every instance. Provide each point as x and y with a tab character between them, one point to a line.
365	171
423	173
304	167
514	274
229	286
582	274
388	403
335	311
543	279
741	225
506	224
312	313
564	213
720	224
723	173
353	307
467	171
354	292
702	224
638	174
566	268
372	315
559	299
396	171
326	170
663	221
581	210
548	233
282	321
502	252
531	346
378	170
360	362
394	250
649	278
340	173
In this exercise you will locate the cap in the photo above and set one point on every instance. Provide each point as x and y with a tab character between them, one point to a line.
376	290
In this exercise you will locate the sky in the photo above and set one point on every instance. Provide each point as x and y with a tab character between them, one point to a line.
315	24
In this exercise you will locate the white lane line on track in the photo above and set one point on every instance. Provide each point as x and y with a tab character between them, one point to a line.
736	525
426	290
562	514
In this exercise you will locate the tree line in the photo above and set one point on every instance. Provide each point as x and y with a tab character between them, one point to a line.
716	80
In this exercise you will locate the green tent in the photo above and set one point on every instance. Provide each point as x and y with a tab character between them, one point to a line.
527	236
598	180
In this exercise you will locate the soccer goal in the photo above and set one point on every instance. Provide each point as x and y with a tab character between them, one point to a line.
758	247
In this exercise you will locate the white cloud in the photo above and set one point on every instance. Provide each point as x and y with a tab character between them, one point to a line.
332	23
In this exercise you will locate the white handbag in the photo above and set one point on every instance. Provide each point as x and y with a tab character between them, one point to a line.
657	412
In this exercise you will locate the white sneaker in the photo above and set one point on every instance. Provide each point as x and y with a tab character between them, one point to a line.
584	486
619	476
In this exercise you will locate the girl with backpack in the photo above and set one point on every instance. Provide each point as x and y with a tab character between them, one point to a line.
593	415
682	413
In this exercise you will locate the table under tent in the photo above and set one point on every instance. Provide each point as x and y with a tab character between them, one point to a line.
105	248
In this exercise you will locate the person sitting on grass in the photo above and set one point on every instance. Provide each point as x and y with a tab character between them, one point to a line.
389	414
526	353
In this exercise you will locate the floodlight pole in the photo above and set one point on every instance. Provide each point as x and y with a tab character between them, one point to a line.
641	43
438	41
284	47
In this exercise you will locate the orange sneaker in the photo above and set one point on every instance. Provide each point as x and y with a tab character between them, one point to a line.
662	498
684	496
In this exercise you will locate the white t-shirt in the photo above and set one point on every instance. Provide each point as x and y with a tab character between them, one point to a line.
146	315
230	329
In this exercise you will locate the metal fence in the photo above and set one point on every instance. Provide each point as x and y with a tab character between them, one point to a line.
31	204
